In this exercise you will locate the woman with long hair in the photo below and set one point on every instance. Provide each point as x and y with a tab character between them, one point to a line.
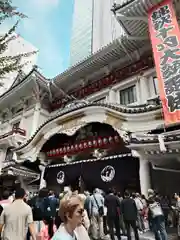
48	230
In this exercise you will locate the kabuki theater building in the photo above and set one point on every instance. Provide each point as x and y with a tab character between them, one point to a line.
111	120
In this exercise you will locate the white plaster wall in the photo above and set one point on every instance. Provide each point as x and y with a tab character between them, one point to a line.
27	124
43	117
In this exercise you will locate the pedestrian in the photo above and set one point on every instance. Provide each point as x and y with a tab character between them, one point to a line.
113	205
156	219
5	200
140	208
16	218
96	210
71	213
48	230
130	213
177	210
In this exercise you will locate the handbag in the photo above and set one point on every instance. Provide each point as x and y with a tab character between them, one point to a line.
100	209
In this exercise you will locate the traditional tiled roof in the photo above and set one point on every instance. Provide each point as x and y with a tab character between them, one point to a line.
84	104
23	80
149	139
20	170
132	15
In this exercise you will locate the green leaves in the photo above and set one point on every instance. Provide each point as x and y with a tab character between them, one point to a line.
10	63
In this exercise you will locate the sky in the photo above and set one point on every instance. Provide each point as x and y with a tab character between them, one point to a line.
48	28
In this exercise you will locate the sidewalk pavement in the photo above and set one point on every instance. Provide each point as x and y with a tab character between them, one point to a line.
146	236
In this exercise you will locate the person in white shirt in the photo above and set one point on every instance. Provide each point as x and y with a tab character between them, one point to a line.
140	207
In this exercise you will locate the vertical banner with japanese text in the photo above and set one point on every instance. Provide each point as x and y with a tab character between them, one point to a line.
165	39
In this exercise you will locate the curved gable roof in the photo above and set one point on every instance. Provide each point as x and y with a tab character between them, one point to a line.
81	105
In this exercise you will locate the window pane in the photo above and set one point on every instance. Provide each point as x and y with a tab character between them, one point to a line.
156	87
128	95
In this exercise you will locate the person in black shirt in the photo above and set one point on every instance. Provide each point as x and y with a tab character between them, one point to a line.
130	213
113	209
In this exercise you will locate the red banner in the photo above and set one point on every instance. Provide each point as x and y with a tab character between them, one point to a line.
165	39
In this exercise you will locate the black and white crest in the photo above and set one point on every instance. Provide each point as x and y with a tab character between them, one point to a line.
107	174
60	177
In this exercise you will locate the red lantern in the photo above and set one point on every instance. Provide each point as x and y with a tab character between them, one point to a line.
90	144
76	147
64	150
110	139
116	138
85	145
95	143
100	142
81	146
105	141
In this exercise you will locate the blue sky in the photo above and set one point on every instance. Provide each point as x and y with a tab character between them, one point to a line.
48	27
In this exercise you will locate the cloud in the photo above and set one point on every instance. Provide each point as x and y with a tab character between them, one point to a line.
38	27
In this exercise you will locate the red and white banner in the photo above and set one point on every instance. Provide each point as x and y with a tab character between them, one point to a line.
165	39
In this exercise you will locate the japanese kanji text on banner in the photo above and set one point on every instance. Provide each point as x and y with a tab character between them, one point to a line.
165	39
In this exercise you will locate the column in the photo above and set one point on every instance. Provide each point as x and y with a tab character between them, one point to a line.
112	96
21	180
35	119
43	184
144	89
2	158
144	176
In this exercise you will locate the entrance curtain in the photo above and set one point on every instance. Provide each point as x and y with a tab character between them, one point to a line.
63	175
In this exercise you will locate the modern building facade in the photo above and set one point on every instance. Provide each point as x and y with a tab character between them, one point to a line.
82	29
15	47
94	26
105	131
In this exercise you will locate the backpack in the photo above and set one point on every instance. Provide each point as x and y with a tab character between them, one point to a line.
156	210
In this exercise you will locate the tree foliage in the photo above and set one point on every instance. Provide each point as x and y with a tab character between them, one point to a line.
10	63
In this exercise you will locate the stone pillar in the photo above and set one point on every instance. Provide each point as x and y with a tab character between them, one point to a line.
112	96
36	116
144	176
23	185
144	89
2	158
42	181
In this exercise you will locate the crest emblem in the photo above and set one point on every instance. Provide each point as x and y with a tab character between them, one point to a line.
60	177
107	174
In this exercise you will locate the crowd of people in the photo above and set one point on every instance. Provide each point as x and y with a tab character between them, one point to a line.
84	216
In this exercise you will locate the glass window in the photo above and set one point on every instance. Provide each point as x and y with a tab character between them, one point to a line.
128	95
156	87
9	155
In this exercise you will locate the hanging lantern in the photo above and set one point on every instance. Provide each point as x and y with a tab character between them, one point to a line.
85	145
76	147
105	141
100	141
95	143
90	144
54	152
64	149
110	139
81	146
116	138
68	149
